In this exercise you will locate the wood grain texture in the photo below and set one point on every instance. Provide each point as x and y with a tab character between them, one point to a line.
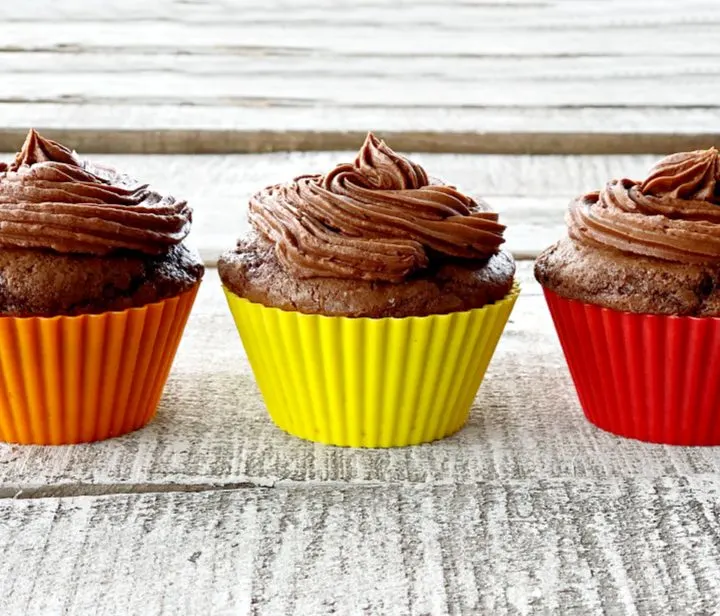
172	129
213	431
513	13
444	75
317	86
612	546
530	192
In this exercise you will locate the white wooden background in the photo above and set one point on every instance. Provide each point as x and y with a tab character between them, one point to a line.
212	510
447	75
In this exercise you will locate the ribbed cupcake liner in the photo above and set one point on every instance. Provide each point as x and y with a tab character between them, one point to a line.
85	378
649	377
363	382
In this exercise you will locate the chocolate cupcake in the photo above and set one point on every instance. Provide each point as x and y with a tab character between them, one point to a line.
369	300
95	289
634	291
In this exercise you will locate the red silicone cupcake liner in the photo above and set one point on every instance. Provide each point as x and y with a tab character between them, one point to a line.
648	377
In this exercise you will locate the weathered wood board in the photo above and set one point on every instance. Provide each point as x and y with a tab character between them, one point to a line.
213	430
530	192
531	546
181	129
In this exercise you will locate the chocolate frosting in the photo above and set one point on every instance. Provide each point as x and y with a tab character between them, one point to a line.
51	199
674	214
379	218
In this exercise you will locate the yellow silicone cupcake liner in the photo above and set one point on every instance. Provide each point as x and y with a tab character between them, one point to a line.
86	378
363	382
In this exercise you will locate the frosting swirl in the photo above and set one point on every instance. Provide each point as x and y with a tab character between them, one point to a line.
379	218
674	214
51	199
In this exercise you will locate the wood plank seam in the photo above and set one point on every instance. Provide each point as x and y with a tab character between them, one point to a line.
75	490
183	141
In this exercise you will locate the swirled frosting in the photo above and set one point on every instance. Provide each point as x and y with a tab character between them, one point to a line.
51	199
378	218
674	214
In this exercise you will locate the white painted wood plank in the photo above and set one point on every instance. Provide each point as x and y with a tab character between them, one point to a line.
212	428
519	13
211	141
614	546
428	121
316	89
530	192
320	77
429	68
344	34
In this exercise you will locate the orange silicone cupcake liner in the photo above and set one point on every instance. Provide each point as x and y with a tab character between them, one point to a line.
86	378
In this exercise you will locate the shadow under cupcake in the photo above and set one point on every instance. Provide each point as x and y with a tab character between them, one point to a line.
95	289
369	301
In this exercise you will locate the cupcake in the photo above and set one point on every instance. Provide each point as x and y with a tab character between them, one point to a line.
369	300
634	291
95	289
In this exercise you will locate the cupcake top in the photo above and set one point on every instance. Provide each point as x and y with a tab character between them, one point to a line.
378	218
673	214
374	237
50	199
649	246
80	238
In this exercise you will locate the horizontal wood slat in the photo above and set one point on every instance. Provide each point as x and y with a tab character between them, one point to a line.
530	192
213	430
581	547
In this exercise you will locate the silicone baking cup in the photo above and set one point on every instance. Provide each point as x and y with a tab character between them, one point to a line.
86	378
362	382
648	377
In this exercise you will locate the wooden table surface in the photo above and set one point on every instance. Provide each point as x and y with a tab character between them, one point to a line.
211	509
